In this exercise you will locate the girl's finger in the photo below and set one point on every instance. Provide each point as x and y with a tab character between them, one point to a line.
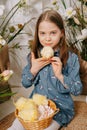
32	55
55	63
43	59
55	59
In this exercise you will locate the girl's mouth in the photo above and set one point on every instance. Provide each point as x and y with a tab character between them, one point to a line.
48	44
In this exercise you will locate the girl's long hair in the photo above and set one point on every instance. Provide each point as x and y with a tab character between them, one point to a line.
55	17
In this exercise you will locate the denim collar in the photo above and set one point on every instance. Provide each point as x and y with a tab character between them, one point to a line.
56	53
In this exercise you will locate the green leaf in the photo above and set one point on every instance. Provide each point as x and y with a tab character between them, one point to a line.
7	94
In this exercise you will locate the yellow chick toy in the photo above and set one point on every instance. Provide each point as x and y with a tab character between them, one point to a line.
40	99
20	103
28	108
29	114
47	52
29	111
29	104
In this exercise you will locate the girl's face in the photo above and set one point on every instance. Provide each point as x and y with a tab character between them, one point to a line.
49	34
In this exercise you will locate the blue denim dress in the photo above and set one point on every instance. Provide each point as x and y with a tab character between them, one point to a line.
47	84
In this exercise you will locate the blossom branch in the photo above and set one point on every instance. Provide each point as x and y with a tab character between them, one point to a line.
18	32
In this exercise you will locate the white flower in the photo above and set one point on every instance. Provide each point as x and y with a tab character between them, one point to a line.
83	36
11	72
6	74
2	7
70	12
2	41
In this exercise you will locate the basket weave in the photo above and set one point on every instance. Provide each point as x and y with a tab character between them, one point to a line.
40	124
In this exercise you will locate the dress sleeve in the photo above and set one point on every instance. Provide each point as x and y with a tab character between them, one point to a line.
27	77
72	78
72	81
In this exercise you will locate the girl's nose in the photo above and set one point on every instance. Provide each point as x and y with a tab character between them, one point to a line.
48	38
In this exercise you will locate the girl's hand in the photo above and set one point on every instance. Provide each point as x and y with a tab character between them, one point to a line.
57	67
38	64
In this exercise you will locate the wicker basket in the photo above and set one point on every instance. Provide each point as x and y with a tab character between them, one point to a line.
40	124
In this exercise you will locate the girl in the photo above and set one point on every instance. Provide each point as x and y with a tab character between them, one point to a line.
57	77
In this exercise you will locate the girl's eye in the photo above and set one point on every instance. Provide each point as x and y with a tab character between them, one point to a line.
53	32
42	33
